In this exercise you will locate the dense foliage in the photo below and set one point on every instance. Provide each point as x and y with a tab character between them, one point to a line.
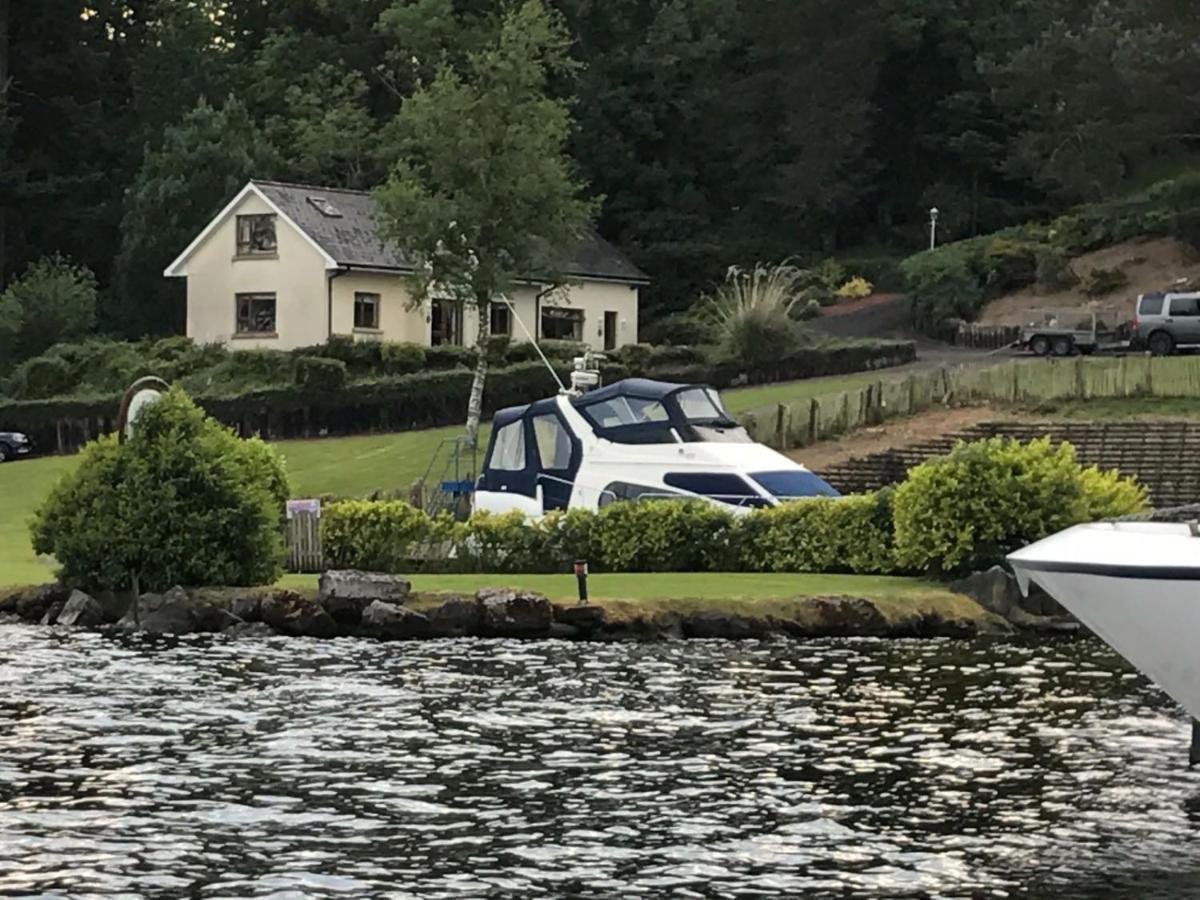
718	132
183	501
986	499
958	513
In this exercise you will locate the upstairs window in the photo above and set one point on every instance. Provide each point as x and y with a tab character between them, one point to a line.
256	235
366	310
560	324
256	314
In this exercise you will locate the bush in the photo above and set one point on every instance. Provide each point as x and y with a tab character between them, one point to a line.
971	508
945	285
316	373
855	289
401	358
183	501
751	313
42	376
678	328
1054	272
449	356
1101	282
1010	265
51	301
881	271
811	309
664	536
384	536
846	534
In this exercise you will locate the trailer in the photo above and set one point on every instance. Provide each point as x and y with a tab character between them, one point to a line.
1070	332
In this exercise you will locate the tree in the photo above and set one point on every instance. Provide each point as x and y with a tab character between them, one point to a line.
53	300
183	501
482	193
201	163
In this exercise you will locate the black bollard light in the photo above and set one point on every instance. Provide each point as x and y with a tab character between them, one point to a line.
1194	750
581	578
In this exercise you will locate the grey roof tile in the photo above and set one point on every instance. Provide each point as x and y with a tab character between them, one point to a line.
352	239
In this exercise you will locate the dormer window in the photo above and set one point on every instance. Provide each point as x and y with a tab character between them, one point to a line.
256	235
325	208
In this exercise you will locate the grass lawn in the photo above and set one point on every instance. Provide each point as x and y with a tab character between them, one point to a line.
348	466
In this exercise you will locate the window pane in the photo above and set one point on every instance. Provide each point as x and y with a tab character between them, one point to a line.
623	490
553	442
626	411
1184	306
501	319
255	234
508	453
1151	305
562	324
255	313
726	487
696	405
366	310
792	484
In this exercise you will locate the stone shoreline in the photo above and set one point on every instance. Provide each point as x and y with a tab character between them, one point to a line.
383	607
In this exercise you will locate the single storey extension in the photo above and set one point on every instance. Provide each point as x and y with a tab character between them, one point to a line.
287	265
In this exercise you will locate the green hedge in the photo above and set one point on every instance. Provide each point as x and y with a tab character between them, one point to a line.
852	535
317	397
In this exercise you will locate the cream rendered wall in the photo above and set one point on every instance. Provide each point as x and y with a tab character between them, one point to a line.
397	321
296	276
595	298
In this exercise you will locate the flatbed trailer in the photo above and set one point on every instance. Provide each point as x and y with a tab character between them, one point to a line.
1051	338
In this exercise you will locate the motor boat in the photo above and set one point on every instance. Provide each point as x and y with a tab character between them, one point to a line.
1137	586
635	439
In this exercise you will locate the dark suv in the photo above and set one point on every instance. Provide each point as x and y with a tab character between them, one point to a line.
14	445
1166	322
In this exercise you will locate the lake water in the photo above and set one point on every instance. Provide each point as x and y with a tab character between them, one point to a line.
206	767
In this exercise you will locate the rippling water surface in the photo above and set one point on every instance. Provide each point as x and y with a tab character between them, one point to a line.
250	768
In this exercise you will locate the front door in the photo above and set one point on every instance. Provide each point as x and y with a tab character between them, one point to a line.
445	323
558	455
610	331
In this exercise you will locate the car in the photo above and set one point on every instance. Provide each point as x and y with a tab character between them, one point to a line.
1165	321
14	445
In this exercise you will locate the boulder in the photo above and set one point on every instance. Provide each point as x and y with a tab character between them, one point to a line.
345	593
248	609
172	612
249	630
584	618
113	604
995	590
509	613
32	604
724	625
291	613
456	617
392	622
52	611
81	610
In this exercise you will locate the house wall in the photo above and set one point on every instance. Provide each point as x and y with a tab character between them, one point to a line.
296	275
594	298
398	320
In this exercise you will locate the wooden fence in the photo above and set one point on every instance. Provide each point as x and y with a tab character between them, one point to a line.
803	422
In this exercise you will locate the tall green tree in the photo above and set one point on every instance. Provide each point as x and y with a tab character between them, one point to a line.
53	300
482	192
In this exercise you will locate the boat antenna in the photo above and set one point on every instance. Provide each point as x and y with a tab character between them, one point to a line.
561	387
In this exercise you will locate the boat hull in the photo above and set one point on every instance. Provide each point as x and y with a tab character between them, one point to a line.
1137	586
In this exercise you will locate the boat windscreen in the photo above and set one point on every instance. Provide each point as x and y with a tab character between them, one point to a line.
701	405
793	484
625	411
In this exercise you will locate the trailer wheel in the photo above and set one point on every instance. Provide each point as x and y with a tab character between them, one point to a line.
1161	344
1040	345
1063	346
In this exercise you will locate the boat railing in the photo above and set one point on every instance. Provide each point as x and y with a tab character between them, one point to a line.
737	500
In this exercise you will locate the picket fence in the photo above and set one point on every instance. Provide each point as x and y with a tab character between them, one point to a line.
788	426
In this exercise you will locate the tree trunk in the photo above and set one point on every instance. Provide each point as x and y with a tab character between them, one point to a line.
483	303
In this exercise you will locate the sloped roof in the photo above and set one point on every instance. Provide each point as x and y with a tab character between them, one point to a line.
351	238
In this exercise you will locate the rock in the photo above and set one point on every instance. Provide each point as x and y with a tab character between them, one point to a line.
723	625
392	622
248	609
52	612
33	603
249	630
995	590
345	593
172	612
351	584
586	619
514	613
456	617
290	613
82	611
113	604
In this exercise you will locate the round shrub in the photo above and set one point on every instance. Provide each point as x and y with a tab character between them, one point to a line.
810	309
855	289
316	373
183	501
42	376
401	358
971	508
664	536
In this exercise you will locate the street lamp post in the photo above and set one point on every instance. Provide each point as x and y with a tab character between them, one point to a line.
933	216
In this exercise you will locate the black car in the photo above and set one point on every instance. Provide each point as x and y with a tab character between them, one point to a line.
14	445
